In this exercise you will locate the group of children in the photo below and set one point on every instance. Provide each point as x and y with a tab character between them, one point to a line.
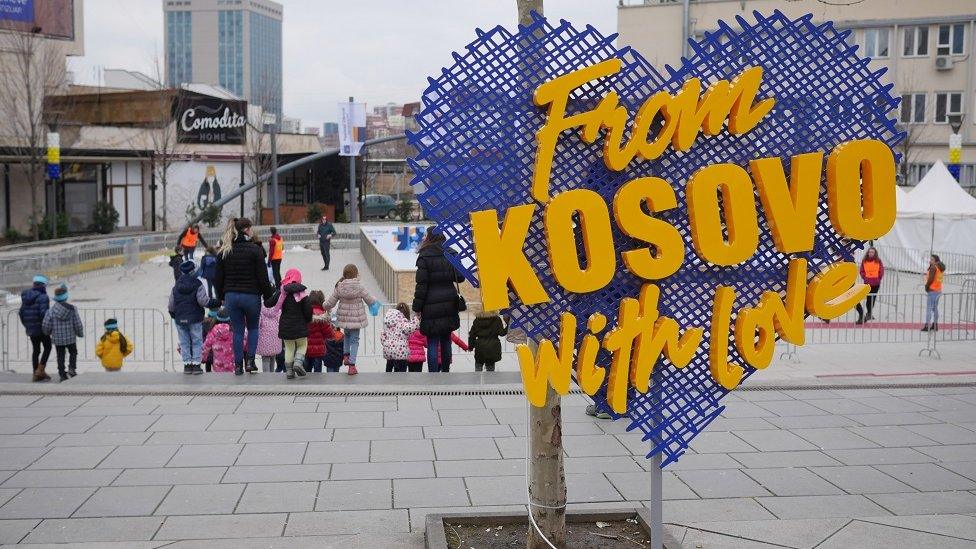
405	347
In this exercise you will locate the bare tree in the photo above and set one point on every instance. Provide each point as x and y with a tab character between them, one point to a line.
916	133
33	69
257	150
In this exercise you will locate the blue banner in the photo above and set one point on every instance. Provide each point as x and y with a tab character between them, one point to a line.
54	171
17	10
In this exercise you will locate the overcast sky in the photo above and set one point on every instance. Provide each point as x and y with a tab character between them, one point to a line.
375	50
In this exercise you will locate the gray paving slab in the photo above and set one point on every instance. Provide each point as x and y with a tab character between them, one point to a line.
943	402
418	515
134	457
792	481
468	431
955	452
239	422
123	501
17	401
413	402
45	503
456	403
811	422
182	422
902	418
19	425
843	406
14	530
787	408
801	507
357	406
20	441
196	409
503	490
775	441
194	437
66	477
637	486
81	530
201	499
348	420
6	494
280	408
834	438
696	461
892	436
964	468
879	456
592	446
731	424
348	522
468	448
222	526
589	488
102	439
511	448
277	473
956	526
378	433
15	459
205	455
429	492
287	435
61	400
944	433
866	534
803	458
480	467
719	443
720	509
169	475
265	497
401	450
357	471
861	479
571	429
411	418
272	453
350	495
781	533
43	411
352	451
927	477
927	503
113	411
475	416
602	464
721	483
892	404
304	420
78	457
67	424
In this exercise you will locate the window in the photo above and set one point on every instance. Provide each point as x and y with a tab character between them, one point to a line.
916	42
876	42
946	104
913	108
951	39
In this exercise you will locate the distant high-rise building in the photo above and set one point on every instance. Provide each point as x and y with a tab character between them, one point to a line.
330	128
235	44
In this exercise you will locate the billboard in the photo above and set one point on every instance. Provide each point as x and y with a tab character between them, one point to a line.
52	18
204	119
352	128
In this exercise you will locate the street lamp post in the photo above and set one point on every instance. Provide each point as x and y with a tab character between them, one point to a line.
271	122
955	144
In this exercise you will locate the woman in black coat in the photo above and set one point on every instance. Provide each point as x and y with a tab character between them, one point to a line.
435	299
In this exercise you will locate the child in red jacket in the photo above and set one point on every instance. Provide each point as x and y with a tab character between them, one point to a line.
319	332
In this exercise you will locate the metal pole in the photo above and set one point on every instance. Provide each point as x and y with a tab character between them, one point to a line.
152	192
274	170
241	185
686	19
932	237
657	500
353	193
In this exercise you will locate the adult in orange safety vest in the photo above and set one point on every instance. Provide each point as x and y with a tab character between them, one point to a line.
187	243
933	287
276	251
872	271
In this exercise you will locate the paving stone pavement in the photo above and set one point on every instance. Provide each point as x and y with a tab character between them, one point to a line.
851	467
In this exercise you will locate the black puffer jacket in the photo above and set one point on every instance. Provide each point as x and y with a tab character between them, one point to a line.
295	315
483	337
33	306
243	270
435	296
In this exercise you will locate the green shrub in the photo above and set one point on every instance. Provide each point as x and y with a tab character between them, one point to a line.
211	216
342	217
314	213
105	218
13	236
43	225
404	210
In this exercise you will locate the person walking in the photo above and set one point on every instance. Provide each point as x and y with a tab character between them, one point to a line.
219	344
296	313
187	302
269	344
188	241
397	327
208	269
34	304
933	287
350	295
437	299
326	231
241	282
276	250
63	324
872	271
483	337
319	333
113	347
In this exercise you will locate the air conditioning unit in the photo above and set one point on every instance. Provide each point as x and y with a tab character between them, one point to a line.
943	63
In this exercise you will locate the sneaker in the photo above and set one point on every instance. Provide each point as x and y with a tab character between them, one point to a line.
196	370
345	360
72	372
62	376
925	328
352	370
187	369
591	411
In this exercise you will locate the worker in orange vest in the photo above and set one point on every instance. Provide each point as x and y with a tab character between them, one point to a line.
276	249
933	287
872	271
187	242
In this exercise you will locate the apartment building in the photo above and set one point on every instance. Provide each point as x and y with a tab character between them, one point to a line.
925	45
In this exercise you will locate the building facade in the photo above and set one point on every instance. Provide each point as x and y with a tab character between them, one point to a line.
925	46
235	44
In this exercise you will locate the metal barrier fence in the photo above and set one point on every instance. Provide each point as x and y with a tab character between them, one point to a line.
150	330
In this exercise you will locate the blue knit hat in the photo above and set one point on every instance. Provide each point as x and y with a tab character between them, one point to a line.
223	315
61	294
40	279
212	313
188	267
111	324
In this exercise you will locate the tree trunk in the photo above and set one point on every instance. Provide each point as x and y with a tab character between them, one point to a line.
547	478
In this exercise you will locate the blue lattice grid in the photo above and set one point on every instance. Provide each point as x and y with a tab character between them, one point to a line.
476	150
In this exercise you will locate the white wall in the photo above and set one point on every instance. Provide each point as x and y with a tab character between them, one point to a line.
184	182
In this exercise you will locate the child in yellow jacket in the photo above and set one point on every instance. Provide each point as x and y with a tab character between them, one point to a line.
113	347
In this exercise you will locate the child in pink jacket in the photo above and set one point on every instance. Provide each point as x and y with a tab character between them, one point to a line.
269	344
220	341
417	342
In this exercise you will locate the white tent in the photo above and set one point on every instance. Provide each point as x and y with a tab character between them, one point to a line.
936	216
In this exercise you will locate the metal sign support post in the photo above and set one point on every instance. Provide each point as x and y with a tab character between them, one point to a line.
657	499
353	194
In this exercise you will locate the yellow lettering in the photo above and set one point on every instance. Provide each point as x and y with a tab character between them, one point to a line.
588	375
547	366
501	259
635	223
791	209
861	189
739	206
725	373
594	225
835	290
659	335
